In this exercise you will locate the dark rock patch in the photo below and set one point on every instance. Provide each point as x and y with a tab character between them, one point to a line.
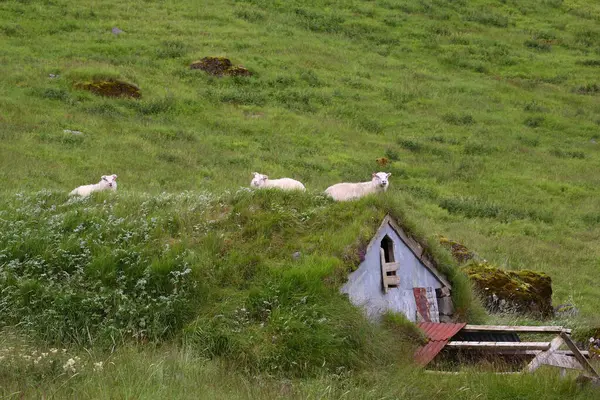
220	66
111	88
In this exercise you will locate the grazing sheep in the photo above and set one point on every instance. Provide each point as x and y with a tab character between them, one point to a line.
107	182
263	181
350	191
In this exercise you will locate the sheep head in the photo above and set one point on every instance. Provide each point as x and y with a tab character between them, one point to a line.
109	181
259	180
380	179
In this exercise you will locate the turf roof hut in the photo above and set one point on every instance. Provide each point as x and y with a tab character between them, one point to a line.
396	276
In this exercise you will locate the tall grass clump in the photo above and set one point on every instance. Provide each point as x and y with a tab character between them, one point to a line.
93	271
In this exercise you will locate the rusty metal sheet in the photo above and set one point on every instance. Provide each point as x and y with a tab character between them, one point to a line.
438	335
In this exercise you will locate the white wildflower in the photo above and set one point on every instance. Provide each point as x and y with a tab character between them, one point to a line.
98	366
53	350
69	365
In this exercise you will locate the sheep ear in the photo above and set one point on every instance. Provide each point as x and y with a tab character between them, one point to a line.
265	177
374	175
103	177
390	174
114	177
255	173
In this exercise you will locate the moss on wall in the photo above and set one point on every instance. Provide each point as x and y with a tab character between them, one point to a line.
521	291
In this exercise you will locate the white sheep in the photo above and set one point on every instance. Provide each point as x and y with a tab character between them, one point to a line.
107	182
263	181
350	191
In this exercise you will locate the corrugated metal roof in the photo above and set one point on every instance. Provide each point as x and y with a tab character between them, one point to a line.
438	335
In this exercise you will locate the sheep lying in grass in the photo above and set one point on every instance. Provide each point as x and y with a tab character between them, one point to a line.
263	181
350	191
107	182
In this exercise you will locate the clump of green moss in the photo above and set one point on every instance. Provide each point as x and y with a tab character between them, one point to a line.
111	88
459	251
220	66
523	291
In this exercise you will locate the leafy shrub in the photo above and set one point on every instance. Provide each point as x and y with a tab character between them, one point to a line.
567	154
154	106
589	63
250	14
537	45
320	21
458	119
392	154
529	141
534	122
370	125
410	145
587	37
590	88
488	18
53	94
478	208
77	272
171	49
534	106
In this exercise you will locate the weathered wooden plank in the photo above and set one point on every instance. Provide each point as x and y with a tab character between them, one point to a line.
498	345
544	355
577	354
522	329
584	353
470	372
562	361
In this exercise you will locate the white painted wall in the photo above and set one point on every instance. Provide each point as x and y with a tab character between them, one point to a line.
364	287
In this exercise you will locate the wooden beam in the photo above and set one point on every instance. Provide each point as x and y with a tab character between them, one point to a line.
584	353
542	358
577	354
499	345
522	329
432	371
562	361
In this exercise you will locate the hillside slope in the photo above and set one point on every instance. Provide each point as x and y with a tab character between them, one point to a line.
486	110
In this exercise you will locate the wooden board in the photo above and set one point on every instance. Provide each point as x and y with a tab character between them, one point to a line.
577	354
562	361
522	329
499	345
543	356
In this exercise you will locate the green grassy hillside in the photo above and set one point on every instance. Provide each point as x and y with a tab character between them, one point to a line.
487	112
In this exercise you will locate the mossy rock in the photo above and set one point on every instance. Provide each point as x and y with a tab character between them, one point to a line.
111	88
459	251
220	66
526	292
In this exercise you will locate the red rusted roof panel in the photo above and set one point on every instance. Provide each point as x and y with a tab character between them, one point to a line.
438	335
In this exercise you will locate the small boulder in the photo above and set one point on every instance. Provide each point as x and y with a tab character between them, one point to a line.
566	310
525	291
116	31
111	88
220	66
